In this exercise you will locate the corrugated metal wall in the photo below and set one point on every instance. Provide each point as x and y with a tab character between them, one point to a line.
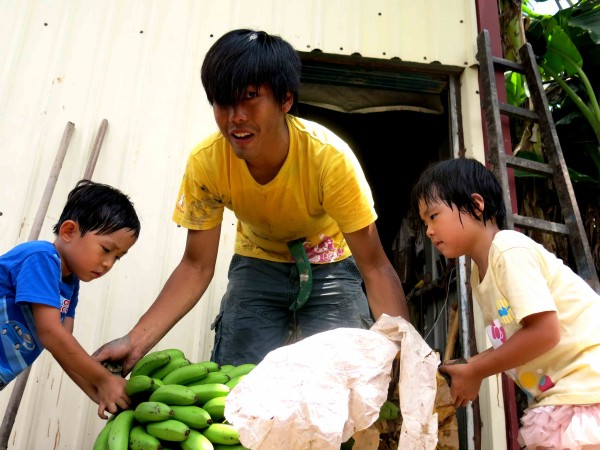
136	64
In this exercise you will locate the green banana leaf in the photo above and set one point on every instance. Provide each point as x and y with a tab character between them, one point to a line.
562	56
588	19
516	93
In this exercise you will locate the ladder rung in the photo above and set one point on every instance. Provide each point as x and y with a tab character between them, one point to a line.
540	224
516	111
506	65
528	165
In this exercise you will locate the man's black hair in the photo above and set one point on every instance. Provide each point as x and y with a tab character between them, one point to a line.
99	208
244	57
453	181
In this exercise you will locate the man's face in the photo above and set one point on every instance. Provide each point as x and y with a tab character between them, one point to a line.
254	125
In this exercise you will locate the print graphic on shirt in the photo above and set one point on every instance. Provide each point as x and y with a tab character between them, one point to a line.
545	383
17	335
504	311
324	252
528	381
64	305
180	204
497	335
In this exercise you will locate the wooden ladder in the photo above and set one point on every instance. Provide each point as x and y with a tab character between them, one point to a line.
555	169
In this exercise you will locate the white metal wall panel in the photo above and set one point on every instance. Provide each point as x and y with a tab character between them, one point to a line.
136	63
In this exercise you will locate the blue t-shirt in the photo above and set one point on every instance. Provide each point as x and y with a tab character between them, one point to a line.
29	273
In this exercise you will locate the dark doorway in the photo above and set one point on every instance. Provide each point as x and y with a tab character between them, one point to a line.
397	119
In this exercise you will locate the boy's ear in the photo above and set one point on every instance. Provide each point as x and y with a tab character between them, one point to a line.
67	230
479	203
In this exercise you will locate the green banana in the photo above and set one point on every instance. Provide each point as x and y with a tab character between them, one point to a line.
234	381
216	408
211	365
221	433
101	442
150	362
153	411
242	369
137	384
175	363
193	416
205	392
118	436
140	440
186	374
212	377
174	352
168	430
196	441
388	411
157	383
226	368
174	394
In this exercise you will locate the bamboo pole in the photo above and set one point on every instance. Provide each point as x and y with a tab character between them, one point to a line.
452	335
89	170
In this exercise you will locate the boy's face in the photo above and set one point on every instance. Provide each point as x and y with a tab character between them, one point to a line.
253	126
91	256
450	232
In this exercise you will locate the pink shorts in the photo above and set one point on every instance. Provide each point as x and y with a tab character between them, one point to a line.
573	427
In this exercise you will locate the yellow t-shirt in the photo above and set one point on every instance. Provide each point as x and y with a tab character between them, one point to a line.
319	192
523	278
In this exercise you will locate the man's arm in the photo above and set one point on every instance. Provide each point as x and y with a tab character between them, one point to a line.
180	294
384	289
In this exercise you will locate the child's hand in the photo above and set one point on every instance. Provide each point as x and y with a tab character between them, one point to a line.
112	396
464	385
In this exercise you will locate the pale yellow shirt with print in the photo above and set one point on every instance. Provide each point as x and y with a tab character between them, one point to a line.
319	192
523	278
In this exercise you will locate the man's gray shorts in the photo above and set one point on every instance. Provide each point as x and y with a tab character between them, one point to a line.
255	317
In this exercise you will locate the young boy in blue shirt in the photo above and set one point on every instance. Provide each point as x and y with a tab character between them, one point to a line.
39	289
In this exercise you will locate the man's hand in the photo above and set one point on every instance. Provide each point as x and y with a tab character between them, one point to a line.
119	351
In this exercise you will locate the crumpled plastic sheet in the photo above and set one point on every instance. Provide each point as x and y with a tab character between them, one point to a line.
315	394
418	383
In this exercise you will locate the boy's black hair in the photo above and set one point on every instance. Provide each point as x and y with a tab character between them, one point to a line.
99	208
244	57
453	181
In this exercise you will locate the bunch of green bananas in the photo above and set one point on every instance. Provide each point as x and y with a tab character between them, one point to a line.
177	404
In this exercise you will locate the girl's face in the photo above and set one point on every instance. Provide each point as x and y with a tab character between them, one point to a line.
91	256
451	232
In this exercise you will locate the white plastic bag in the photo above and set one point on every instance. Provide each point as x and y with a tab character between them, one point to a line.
315	394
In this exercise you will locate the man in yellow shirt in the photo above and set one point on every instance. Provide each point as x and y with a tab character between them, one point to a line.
306	235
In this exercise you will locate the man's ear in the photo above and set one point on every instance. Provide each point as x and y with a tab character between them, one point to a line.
479	204
67	230
287	102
